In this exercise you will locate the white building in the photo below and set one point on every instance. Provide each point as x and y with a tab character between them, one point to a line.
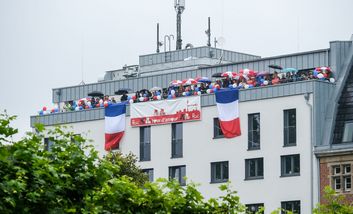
272	163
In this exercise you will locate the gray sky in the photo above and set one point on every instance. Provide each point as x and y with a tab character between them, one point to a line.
42	41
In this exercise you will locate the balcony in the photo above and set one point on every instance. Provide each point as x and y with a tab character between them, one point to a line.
321	90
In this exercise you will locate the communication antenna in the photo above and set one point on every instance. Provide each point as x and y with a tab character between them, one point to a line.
179	6
169	37
208	32
221	41
159	44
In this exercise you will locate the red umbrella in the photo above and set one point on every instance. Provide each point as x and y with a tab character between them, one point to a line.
229	74
176	83
322	69
246	71
189	81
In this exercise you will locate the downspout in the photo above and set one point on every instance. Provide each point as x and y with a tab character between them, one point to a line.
307	98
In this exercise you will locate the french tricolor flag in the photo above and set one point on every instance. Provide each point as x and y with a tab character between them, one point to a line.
114	125
228	112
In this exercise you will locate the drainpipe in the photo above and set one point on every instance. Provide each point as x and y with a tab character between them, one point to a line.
307	98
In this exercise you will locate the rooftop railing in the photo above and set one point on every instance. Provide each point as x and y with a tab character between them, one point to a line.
252	94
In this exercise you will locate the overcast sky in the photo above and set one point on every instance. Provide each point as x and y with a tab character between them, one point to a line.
42	42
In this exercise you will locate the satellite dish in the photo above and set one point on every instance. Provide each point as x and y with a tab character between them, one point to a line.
221	41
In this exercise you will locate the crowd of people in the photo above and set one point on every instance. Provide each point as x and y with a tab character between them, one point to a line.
244	79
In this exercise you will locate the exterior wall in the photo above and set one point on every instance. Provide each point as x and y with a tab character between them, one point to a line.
326	164
200	149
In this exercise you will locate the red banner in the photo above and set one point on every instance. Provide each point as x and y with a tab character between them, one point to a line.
165	111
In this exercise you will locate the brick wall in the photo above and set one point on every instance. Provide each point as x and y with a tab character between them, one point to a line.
325	174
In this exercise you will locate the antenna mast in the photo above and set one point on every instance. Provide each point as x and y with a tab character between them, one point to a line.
179	6
158	42
208	32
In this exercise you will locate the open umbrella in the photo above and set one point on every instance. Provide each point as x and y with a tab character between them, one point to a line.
122	91
175	83
189	81
275	67
95	94
217	75
145	91
229	74
322	69
286	70
203	79
155	88
262	73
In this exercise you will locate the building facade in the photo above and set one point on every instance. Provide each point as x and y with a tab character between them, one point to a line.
281	158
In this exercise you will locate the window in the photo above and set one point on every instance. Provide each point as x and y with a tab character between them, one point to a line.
149	173
145	143
290	127
254	131
292	206
219	172
348	132
341	177
178	173
336	170
254	168
217	131
337	183
177	140
347	169
290	165
48	144
254	208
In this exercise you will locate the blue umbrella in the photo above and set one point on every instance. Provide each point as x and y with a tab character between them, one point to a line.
286	70
203	79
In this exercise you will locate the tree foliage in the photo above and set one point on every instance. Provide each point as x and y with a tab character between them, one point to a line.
335	203
72	178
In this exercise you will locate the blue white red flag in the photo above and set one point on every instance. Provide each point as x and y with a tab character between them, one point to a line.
228	112
114	125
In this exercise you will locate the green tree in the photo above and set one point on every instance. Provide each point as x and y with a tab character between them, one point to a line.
335	203
71	178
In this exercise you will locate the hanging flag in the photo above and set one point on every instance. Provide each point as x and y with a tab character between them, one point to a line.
114	125
228	112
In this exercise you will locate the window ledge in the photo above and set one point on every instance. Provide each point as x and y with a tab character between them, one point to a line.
176	157
218	137
254	178
254	149
289	145
217	182
290	175
144	160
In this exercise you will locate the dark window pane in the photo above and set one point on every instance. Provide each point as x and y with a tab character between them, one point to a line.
290	127
225	171
252	168
260	167
296	164
292	206
145	143
288	165
217	131
254	131
177	140
253	208
219	171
